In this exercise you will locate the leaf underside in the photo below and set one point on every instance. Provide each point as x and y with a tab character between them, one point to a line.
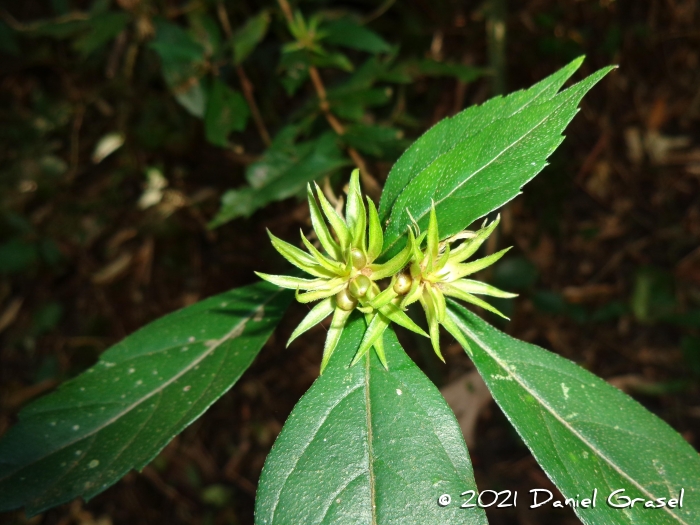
585	433
478	160
143	391
366	445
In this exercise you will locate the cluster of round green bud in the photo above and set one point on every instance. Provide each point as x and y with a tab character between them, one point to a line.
346	277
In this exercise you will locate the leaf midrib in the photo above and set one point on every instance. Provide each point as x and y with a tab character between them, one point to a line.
556	415
474	173
370	452
521	108
239	326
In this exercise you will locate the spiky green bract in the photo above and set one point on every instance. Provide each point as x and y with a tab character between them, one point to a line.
345	273
439	271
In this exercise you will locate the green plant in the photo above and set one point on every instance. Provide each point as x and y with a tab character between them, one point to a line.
372	441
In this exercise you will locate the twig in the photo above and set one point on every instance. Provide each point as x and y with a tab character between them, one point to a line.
286	9
246	84
19	26
371	185
378	12
75	142
248	89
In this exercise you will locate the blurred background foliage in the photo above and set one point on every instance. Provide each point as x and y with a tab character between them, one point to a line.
146	145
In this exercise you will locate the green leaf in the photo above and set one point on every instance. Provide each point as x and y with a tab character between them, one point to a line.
375	329
227	111
396	314
293	283
478	287
433	68
335	332
102	28
378	141
249	36
368	445
336	60
298	257
463	269
355	212
585	433
321	158
346	32
174	44
282	154
121	412
478	160
319	226
17	255
376	236
205	30
186	86
295	65
182	59
317	314
395	264
8	40
338	224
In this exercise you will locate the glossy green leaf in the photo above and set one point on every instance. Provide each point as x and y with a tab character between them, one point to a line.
322	157
346	32
366	445
121	412
376	235
319	225
478	160
585	433
317	314
249	36
227	111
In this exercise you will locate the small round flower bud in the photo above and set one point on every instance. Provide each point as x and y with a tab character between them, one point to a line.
403	284
345	301
360	285
358	259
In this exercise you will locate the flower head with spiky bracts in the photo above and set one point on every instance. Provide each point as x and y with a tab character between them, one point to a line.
345	275
439	271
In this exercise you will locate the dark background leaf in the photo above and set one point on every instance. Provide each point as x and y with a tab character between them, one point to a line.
348	33
227	111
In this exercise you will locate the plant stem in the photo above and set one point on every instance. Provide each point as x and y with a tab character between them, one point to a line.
246	84
372	187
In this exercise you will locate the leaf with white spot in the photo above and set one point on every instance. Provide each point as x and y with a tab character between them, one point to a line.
144	390
478	160
367	445
585	433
